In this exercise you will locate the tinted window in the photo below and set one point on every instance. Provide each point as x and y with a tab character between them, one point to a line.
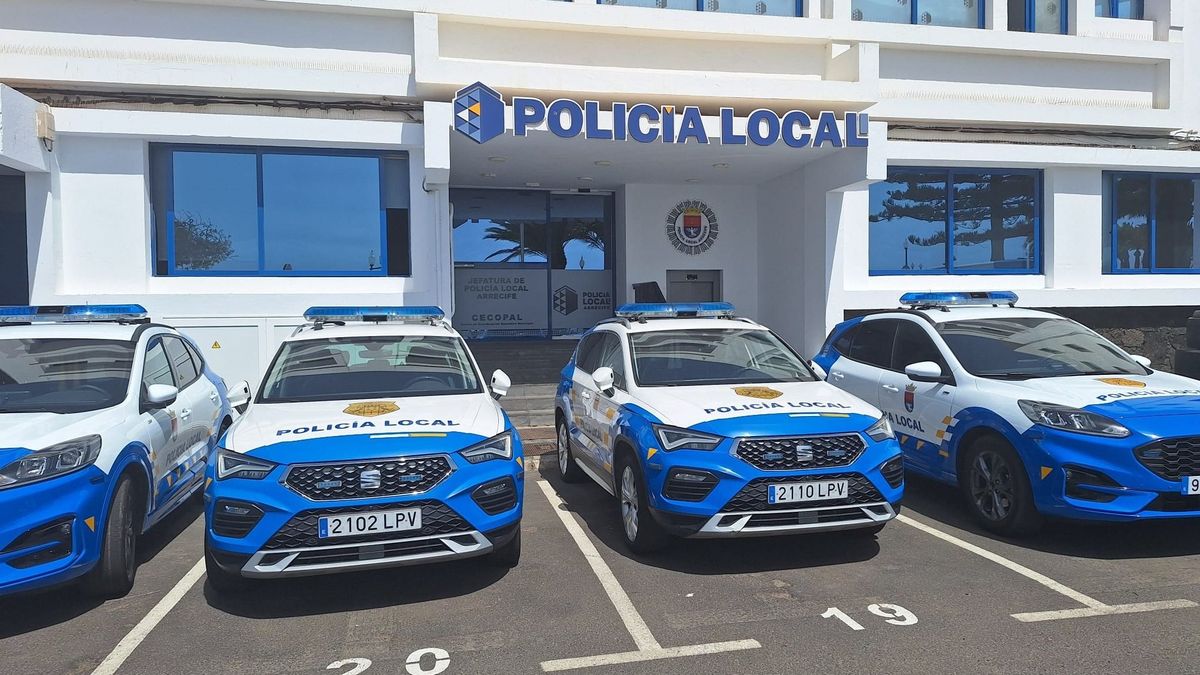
1025	348
842	345
337	369
63	375
873	342
587	355
714	356
913	345
181	359
196	357
612	357
158	366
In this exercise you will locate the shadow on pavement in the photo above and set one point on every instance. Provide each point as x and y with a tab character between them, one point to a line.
1083	539
598	511
28	612
353	591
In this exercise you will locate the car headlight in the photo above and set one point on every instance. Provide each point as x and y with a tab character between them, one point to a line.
499	446
881	430
237	465
1071	419
55	460
674	438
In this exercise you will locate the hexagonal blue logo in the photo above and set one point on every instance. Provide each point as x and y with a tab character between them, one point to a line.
479	112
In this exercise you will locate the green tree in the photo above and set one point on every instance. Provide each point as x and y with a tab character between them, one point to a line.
200	245
538	239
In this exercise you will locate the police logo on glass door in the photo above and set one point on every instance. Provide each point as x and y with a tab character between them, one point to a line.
692	227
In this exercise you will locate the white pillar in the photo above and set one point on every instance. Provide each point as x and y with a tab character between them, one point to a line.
1073	227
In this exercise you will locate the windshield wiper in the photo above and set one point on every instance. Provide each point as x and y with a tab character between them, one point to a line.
1012	376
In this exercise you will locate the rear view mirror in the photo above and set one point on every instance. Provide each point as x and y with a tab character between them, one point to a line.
159	396
501	383
239	396
821	374
925	371
1140	360
604	379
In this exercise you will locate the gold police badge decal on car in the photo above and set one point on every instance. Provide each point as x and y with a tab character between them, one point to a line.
371	408
1122	382
765	393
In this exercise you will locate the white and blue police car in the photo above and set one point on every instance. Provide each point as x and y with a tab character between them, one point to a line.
373	441
1029	413
707	425
106	421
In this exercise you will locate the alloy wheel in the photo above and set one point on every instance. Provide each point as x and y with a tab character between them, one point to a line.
992	486
629	503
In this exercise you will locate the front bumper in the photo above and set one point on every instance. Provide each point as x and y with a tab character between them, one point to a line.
1133	493
66	505
284	541
737	505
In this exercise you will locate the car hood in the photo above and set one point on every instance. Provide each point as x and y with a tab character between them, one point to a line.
717	406
1121	397
295	431
38	430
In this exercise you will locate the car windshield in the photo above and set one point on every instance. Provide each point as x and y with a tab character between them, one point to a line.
1032	347
713	356
337	369
63	375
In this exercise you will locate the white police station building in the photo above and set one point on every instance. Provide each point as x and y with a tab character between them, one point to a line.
526	163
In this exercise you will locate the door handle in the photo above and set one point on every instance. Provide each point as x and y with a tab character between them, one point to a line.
586	395
214	397
838	375
185	413
891	387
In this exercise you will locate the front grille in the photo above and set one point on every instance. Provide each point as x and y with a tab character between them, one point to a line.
235	519
359	480
800	452
893	471
1175	503
1172	458
497	496
753	497
695	487
301	530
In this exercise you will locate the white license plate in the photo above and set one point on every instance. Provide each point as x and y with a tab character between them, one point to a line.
369	522
1191	485
812	491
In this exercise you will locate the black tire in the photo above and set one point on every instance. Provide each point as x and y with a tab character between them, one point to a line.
641	531
1187	362
567	467
996	486
115	571
509	554
1193	331
221	581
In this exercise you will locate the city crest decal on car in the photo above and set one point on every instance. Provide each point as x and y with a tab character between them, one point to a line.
1122	382
765	393
371	408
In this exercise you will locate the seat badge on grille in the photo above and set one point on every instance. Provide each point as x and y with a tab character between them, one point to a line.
804	452
329	484
370	479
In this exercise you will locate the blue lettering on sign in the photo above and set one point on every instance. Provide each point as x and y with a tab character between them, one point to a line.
479	113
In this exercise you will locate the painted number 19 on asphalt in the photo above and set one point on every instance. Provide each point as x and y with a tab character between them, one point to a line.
893	614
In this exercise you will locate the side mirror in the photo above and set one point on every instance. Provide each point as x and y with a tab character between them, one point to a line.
821	374
500	384
1140	360
925	371
604	379
159	396
239	396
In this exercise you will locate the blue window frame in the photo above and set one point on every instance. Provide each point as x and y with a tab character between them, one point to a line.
944	221
263	211
1151	223
1121	9
959	13
763	7
1038	16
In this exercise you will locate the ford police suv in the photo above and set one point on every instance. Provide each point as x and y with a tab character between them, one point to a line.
373	441
1029	413
707	425
105	424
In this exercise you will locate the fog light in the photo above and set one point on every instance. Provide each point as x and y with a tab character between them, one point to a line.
1079	482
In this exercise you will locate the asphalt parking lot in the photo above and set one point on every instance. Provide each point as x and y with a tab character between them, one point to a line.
931	593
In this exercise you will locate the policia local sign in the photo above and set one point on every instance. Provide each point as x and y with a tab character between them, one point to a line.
479	115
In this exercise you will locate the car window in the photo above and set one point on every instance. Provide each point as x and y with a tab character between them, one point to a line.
666	358
913	345
196	357
588	355
181	359
157	369
872	342
612	356
1022	348
842	344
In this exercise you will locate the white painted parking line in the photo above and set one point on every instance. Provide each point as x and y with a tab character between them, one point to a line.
1093	607
130	642
648	647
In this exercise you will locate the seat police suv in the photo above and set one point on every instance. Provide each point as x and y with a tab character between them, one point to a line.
707	425
1029	413
106	421
373	441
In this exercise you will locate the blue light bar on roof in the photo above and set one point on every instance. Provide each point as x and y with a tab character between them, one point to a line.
71	313
375	314
669	310
958	298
